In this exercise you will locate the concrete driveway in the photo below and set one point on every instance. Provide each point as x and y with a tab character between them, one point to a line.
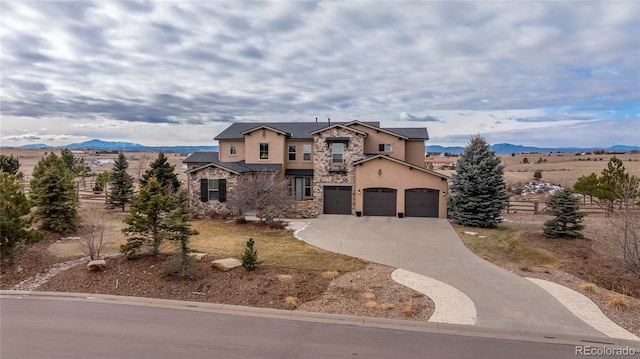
430	247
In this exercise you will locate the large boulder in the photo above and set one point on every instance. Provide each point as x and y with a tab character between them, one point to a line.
96	265
226	264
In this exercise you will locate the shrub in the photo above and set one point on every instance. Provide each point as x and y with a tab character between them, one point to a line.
537	175
177	267
618	302
525	160
589	288
250	256
290	302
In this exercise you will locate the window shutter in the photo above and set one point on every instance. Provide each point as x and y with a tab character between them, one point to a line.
204	190
222	190
381	147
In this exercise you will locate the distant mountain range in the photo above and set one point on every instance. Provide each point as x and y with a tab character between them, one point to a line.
507	148
499	148
97	144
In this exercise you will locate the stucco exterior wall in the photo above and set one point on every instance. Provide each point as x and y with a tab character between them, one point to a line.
375	138
276	143
298	163
353	151
223	149
382	172
211	207
415	153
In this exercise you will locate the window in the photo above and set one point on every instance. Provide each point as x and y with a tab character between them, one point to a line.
336	152
232	149
264	151
385	147
213	190
306	152
300	187
292	152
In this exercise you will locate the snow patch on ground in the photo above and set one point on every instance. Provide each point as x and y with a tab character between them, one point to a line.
538	187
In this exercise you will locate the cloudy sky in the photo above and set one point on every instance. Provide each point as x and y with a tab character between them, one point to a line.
177	73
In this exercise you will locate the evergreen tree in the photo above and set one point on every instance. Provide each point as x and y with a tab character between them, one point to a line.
70	161
178	228
587	186
164	173
250	256
479	190
121	192
9	164
612	180
15	218
54	194
146	220
566	221
84	171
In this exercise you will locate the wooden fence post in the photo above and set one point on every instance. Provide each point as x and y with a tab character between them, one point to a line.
535	207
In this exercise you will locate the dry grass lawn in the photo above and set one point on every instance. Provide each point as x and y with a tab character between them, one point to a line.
276	247
503	245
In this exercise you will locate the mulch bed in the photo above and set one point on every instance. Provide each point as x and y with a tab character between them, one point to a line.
143	277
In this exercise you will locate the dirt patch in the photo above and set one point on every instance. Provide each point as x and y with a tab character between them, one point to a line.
580	259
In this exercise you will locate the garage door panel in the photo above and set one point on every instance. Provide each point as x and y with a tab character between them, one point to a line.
422	202
379	202
337	200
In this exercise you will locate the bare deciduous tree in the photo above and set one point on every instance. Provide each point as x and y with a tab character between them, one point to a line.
264	192
92	235
625	224
141	165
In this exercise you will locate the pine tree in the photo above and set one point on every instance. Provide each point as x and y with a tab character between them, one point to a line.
163	172
9	164
54	193
146	220
178	228
15	218
121	192
587	186
250	256
70	161
566	221
479	190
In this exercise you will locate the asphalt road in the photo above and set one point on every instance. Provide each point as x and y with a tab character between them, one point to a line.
37	328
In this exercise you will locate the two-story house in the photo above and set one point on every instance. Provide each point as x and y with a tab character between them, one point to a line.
331	168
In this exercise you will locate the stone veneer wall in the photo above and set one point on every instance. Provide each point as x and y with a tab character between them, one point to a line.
354	150
209	208
300	209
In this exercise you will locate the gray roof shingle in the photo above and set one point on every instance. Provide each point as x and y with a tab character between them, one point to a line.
296	130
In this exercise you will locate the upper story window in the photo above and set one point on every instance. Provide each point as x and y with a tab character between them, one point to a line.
306	152
264	151
385	147
292	152
233	150
337	150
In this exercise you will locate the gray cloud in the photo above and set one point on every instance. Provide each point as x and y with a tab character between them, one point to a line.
426	118
193	63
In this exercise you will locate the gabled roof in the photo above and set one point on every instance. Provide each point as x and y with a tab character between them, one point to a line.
410	165
263	127
211	160
377	129
295	130
341	125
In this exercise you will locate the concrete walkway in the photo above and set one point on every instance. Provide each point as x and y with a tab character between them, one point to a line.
430	247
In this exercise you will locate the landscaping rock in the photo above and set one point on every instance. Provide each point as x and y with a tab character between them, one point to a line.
99	264
199	256
226	264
